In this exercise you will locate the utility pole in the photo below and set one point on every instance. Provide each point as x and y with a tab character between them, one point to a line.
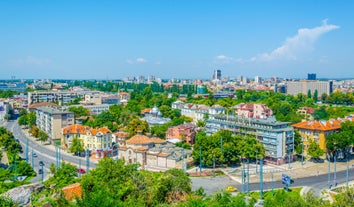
256	162
347	178
243	177
27	150
335	171
87	153
261	179
32	160
200	159
272	184
79	164
248	177
57	156
302	151
329	172
183	161
222	164
15	170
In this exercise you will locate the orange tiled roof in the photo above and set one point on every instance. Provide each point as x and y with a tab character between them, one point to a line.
41	104
139	139
103	130
145	111
319	125
75	129
157	140
72	191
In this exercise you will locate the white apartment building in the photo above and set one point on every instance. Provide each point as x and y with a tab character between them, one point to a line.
296	87
62	97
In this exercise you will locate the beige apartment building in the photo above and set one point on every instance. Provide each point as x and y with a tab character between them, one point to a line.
95	140
52	120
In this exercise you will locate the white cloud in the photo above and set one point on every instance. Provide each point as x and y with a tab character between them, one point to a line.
301	43
137	60
226	59
141	60
30	61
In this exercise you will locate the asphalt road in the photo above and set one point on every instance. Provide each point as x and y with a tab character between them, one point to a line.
43	154
317	183
210	184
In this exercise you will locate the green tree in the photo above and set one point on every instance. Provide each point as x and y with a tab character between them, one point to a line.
76	146
315	96
34	130
309	94
314	150
79	111
298	142
42	136
31	117
320	113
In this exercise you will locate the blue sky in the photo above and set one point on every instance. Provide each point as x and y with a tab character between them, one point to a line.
176	39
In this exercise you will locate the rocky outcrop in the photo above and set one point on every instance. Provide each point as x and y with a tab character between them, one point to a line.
21	195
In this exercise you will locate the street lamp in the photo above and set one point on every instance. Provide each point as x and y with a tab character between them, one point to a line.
329	172
27	150
32	159
256	161
200	159
335	170
347	177
261	179
302	151
41	163
87	154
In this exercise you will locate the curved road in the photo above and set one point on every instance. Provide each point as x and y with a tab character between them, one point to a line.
209	184
44	154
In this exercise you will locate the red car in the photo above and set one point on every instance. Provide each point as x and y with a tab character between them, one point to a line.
81	171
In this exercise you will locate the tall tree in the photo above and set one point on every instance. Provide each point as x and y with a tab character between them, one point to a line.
76	146
314	150
315	96
309	94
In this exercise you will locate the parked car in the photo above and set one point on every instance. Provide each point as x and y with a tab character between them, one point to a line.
81	171
40	171
34	154
41	163
231	189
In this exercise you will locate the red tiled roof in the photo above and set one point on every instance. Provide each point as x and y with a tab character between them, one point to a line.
139	139
41	104
72	191
319	125
75	129
145	111
103	130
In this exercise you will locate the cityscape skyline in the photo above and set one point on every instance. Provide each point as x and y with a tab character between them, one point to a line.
110	40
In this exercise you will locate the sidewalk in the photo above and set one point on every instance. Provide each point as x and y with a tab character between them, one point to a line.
297	170
52	148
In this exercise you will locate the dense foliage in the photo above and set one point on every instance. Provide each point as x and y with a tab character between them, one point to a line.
17	167
225	148
338	143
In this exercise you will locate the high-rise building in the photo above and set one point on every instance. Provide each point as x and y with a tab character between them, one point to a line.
311	76
296	87
217	75
239	78
257	80
244	80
